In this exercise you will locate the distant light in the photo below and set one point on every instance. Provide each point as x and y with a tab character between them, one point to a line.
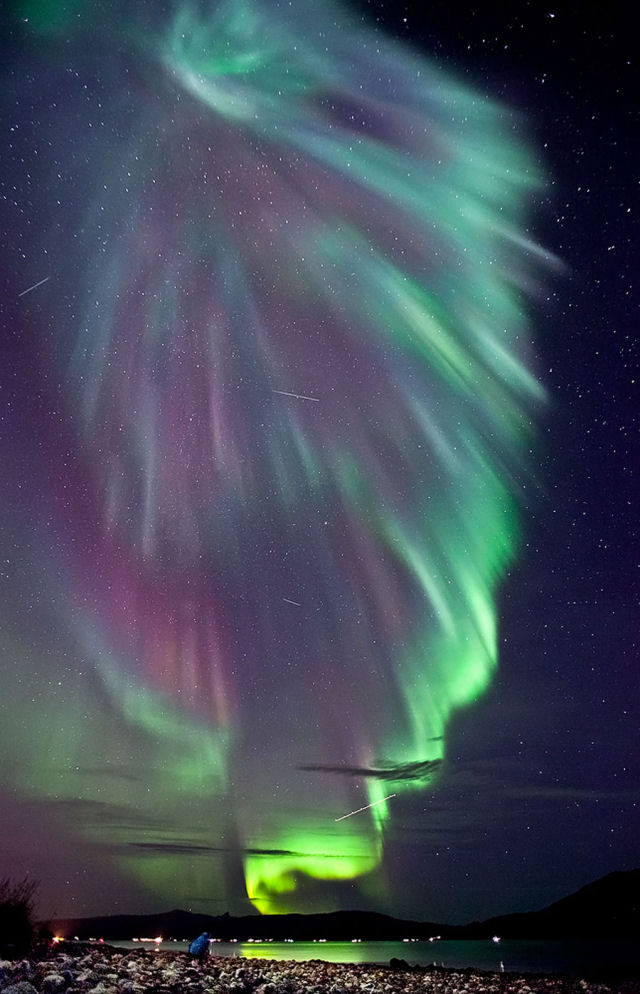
496	938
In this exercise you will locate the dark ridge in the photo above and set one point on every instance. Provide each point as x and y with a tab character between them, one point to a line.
608	908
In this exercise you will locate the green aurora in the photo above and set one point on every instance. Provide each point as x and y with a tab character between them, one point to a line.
267	592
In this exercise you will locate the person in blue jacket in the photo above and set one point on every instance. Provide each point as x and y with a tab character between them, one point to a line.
200	946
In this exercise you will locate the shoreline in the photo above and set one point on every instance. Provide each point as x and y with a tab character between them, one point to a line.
104	969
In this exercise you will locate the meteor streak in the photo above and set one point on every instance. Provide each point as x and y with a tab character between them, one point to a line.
298	396
358	810
34	287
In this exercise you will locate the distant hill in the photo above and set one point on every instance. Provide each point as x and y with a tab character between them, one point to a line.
177	924
610	907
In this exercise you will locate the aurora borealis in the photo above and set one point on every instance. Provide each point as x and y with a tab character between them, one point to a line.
273	276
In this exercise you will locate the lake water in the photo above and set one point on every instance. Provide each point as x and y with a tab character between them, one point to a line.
586	958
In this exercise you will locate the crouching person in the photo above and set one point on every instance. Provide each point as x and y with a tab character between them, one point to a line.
199	948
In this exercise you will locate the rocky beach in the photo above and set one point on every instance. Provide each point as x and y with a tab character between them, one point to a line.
103	969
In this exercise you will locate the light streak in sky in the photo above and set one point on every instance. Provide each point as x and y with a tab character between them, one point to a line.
298	396
358	810
291	602
34	287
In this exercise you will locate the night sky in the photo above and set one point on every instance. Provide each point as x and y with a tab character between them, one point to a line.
318	428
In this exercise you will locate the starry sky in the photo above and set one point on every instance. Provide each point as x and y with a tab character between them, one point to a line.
318	426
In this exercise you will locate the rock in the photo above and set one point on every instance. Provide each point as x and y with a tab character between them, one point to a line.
398	964
53	983
86	978
22	987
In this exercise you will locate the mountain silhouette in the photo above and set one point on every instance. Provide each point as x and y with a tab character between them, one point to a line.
607	908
